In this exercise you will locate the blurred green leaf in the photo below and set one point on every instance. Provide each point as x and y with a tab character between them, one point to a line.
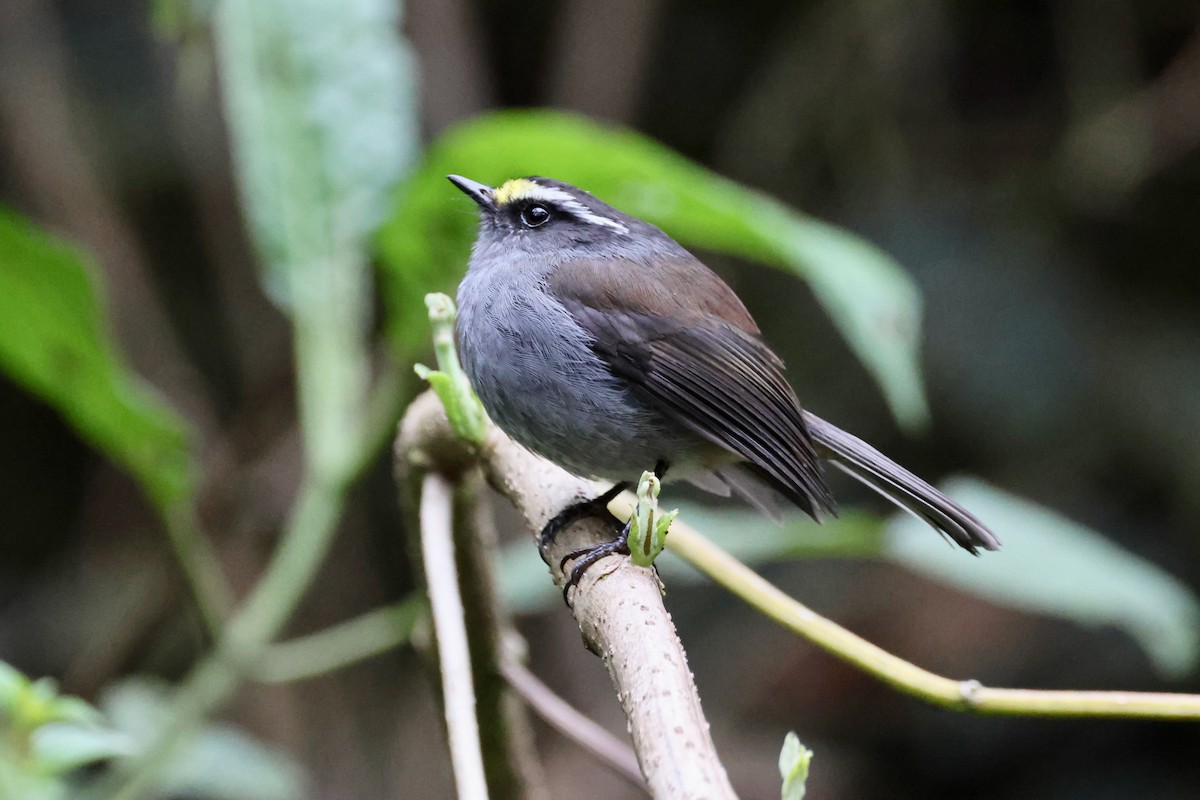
62	746
223	763
29	704
321	106
320	98
54	341
753	539
1051	565
523	579
219	762
44	736
424	245
18	784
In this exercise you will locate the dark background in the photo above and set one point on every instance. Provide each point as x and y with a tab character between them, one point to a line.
1034	165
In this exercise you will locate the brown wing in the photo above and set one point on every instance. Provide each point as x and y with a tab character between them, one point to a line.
701	362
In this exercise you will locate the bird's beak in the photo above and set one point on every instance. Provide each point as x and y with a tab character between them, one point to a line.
479	192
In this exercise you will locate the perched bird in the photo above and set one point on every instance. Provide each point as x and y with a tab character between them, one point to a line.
598	342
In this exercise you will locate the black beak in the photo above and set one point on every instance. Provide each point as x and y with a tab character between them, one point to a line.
479	192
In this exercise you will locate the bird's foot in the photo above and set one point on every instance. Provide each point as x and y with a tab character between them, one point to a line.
584	557
596	507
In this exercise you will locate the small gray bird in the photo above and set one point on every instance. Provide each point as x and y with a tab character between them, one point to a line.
598	342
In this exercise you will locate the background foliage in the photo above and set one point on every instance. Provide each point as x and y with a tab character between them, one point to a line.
189	354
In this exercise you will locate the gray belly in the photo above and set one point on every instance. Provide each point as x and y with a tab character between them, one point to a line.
536	375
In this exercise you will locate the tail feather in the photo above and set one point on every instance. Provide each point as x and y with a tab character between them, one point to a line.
757	491
866	464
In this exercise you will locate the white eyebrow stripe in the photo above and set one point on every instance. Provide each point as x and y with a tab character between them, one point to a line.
568	203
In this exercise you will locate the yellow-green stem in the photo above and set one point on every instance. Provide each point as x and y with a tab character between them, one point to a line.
961	695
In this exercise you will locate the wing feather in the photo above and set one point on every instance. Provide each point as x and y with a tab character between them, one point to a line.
704	366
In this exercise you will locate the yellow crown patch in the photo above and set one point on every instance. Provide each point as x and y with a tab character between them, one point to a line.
513	190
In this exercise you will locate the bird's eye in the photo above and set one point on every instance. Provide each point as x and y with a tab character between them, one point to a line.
534	216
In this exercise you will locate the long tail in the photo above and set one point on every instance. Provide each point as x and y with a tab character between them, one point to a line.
863	462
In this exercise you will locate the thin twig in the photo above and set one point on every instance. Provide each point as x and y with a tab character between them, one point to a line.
341	645
570	722
959	695
454	657
510	761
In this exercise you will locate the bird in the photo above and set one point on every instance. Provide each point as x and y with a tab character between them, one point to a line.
598	342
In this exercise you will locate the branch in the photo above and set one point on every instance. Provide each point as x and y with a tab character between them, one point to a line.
618	606
564	718
965	695
454	656
510	762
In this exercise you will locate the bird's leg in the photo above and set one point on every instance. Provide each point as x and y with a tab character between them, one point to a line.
596	507
590	555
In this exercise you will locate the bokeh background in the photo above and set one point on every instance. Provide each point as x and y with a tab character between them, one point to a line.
1033	165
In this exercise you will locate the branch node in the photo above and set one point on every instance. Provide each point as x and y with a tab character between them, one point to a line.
969	691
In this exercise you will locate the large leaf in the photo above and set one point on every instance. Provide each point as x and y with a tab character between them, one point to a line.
424	246
320	102
55	342
320	99
1051	565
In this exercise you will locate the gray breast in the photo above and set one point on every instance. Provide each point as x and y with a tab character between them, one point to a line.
535	373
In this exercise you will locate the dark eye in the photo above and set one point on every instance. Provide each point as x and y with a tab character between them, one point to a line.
534	216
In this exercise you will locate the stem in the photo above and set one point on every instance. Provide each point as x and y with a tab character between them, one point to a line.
293	566
199	563
454	657
570	722
966	695
347	643
505	734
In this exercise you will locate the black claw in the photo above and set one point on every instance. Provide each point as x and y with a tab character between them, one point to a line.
596	507
590	555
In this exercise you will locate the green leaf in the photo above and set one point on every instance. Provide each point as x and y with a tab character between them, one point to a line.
17	783
424	246
219	762
794	759
466	414
61	747
753	539
55	342
223	763
1051	565
12	685
26	705
648	527
320	98
523	579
